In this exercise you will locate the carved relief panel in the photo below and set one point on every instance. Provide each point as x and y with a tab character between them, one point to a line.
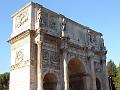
45	19
52	22
21	19
51	53
51	59
76	34
19	56
98	67
76	51
19	60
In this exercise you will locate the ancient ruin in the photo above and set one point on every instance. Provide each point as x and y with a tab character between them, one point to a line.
52	52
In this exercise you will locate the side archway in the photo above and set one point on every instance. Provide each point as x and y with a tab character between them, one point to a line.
50	82
98	84
76	73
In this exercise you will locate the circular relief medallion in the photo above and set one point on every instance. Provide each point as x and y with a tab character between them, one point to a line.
19	56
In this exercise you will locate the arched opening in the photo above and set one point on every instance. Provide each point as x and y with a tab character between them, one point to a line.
50	82
77	75
98	85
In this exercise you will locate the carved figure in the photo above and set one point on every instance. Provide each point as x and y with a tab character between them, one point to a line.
39	17
63	27
19	56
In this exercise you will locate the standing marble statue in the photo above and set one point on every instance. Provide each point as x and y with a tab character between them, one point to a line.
63	27
39	17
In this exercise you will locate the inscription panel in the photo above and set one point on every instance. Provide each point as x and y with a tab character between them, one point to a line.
20	65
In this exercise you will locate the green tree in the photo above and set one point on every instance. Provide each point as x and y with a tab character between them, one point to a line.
111	68
117	79
4	81
115	73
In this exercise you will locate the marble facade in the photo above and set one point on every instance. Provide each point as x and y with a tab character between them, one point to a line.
51	52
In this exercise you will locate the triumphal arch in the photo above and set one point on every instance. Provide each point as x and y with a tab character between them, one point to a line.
52	52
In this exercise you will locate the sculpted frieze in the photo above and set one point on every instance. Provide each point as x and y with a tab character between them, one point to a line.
97	66
51	47
75	55
45	19
51	59
52	22
46	57
20	65
20	36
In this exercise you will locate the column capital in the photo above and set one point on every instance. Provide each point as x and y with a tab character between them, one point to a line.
38	40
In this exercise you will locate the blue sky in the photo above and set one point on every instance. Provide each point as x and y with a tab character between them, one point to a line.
100	15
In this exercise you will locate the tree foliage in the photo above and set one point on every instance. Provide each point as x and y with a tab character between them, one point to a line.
111	68
114	71
4	81
117	79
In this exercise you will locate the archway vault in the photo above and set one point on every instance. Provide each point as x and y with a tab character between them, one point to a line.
76	74
50	82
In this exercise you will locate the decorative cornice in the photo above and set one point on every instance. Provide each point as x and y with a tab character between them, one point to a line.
101	52
19	36
31	3
70	44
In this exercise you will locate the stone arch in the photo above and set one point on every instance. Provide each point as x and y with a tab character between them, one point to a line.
76	74
98	84
50	82
82	62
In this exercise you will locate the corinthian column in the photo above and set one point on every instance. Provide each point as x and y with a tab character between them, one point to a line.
39	43
64	48
66	80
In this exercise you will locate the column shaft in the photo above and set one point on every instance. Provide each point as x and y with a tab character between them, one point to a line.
93	75
39	67
66	81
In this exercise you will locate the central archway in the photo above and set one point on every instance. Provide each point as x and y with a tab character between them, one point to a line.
50	82
76	72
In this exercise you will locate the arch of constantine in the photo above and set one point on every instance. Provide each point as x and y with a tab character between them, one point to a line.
51	52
